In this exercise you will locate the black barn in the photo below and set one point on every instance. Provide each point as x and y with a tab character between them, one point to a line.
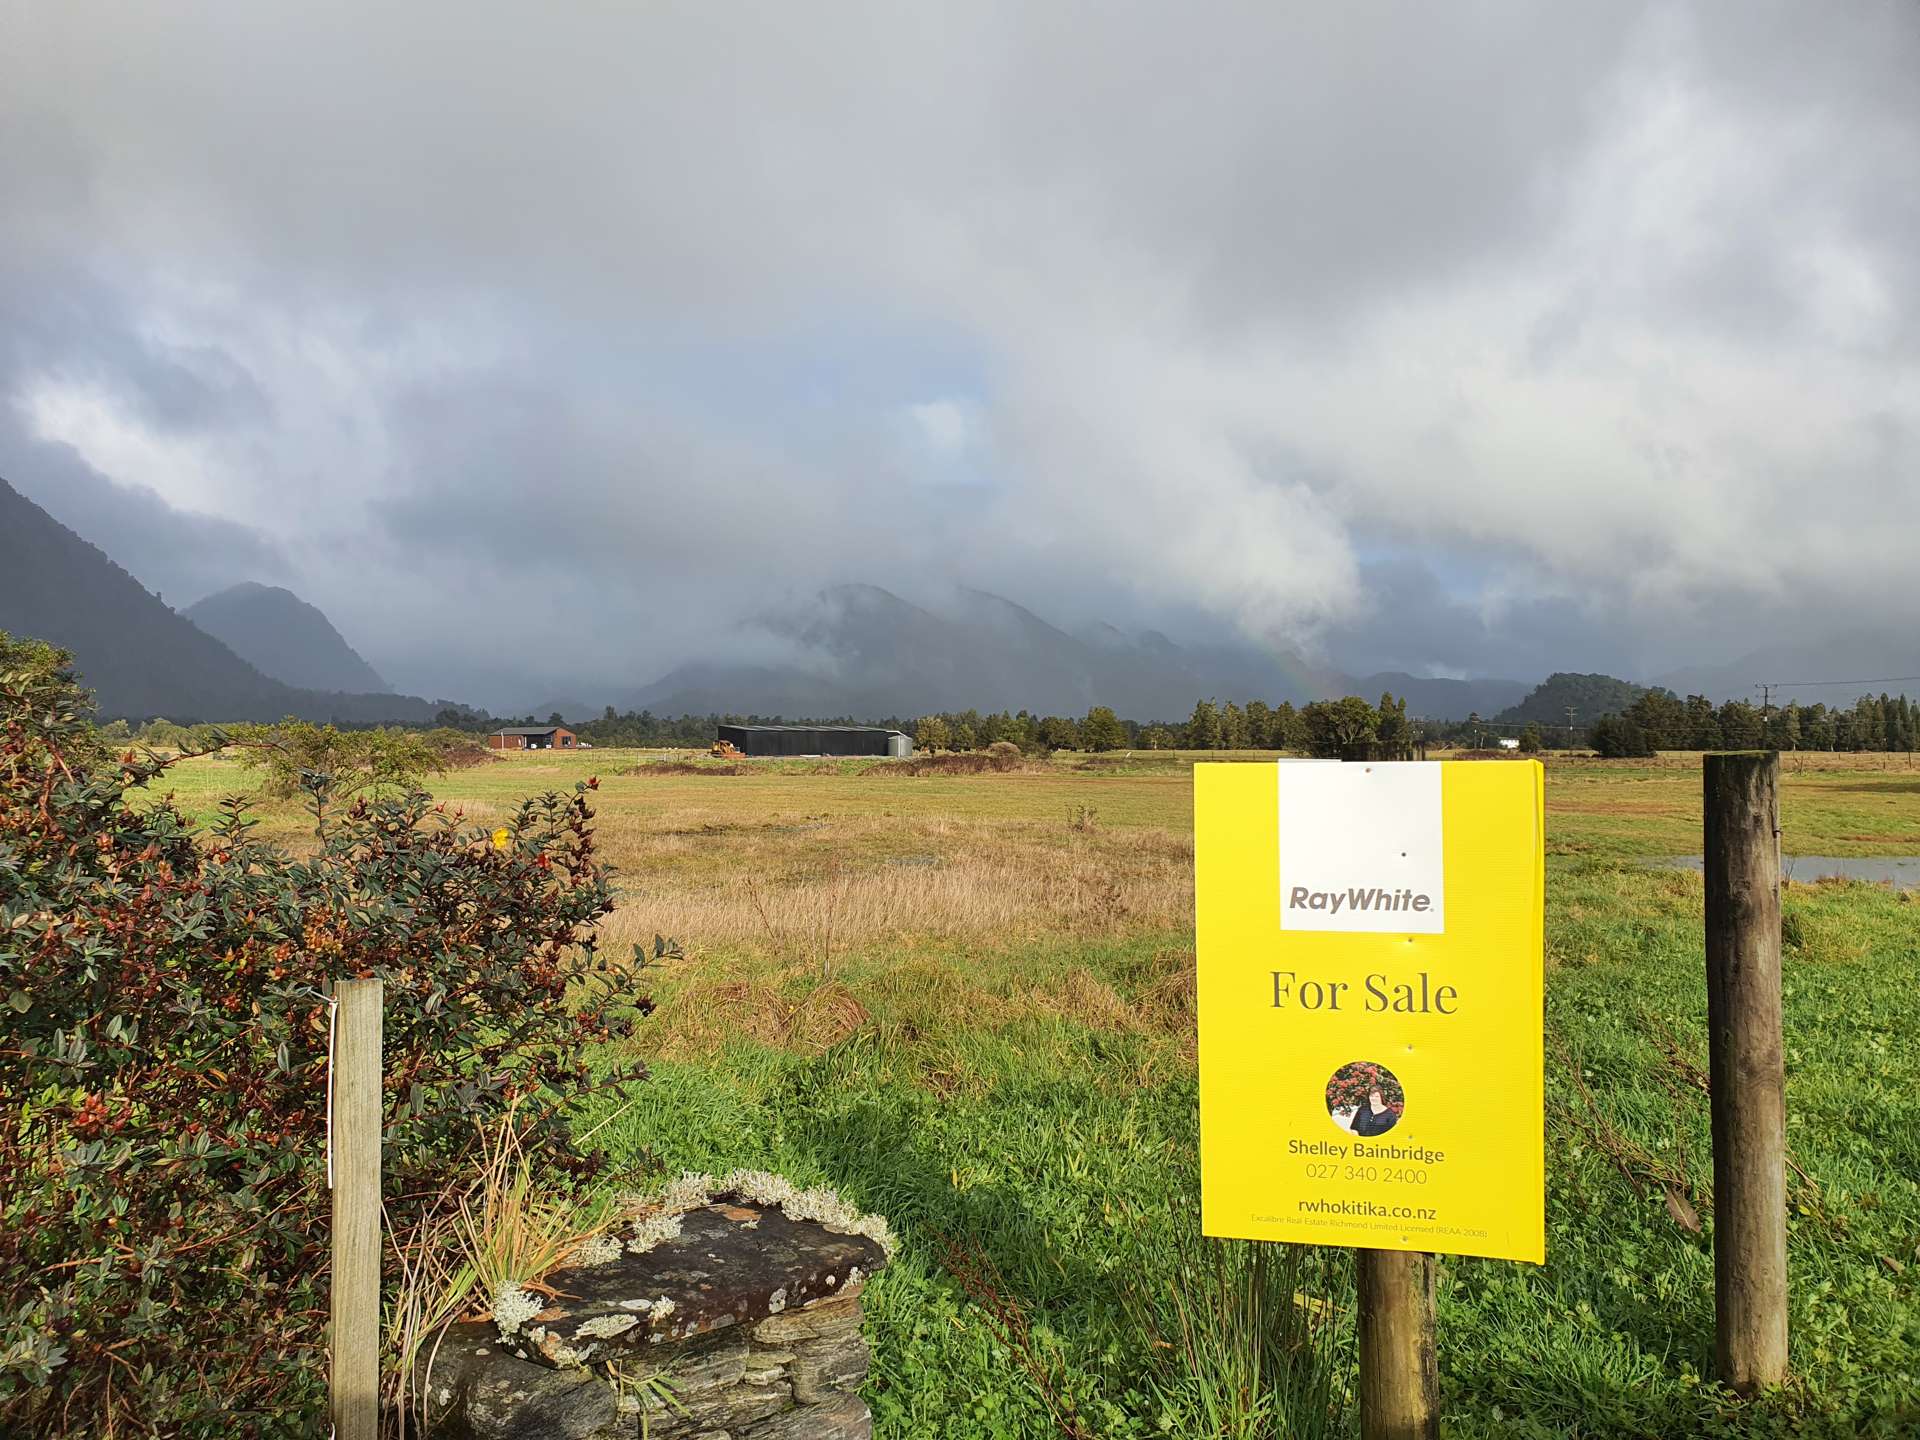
815	740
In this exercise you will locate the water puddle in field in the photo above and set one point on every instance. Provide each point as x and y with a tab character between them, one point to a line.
1902	872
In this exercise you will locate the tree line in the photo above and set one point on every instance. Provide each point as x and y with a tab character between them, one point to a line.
1660	720
1347	728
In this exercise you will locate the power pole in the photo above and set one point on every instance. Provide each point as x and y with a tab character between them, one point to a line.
1570	712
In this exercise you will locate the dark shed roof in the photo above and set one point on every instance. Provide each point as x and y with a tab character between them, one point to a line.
827	729
808	739
530	729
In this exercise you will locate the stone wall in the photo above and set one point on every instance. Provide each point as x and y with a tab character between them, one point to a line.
744	1325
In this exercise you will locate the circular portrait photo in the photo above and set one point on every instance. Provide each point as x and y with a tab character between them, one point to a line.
1364	1098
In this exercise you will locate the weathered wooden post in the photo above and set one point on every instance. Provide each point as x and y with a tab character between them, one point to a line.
1742	861
1399	1368
355	1139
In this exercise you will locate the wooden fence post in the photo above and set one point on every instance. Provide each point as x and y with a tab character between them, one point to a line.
1399	1369
357	1071
1748	1074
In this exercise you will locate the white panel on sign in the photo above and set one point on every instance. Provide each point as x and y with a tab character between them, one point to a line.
1360	848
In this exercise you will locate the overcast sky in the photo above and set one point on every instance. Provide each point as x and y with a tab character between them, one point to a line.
529	338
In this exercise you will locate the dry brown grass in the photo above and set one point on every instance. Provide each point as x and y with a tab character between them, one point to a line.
702	1015
999	759
1082	996
910	1001
802	932
812	891
1170	999
655	769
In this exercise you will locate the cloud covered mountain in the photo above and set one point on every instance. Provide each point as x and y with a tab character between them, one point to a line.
862	651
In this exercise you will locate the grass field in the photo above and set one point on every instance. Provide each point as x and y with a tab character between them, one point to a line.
967	1002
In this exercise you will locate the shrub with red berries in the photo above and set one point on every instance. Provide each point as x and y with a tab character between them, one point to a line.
163	1205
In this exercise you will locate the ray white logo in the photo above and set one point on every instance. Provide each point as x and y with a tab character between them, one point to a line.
1301	898
1360	848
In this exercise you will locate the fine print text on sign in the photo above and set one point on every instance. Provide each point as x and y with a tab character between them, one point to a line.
1370	989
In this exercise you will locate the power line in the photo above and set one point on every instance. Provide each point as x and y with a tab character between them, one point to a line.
1809	684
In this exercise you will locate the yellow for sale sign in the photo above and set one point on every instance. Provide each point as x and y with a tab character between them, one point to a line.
1370	973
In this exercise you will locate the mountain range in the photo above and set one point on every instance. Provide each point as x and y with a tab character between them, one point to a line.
254	651
139	657
863	651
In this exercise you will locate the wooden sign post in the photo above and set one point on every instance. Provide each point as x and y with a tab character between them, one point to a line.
356	1079
1748	1074
1399	1361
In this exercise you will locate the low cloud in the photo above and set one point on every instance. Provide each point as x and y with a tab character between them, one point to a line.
538	345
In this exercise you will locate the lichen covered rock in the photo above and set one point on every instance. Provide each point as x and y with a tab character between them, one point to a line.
743	1324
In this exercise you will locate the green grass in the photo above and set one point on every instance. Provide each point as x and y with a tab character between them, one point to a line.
1020	1102
1617	1330
1066	1157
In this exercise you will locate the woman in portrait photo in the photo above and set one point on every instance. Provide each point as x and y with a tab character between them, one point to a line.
1373	1116
1365	1098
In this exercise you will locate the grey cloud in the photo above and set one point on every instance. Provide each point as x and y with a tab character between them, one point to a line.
180	556
603	325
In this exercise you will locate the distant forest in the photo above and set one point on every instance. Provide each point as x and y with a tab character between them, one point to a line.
1660	720
1350	725
1348	728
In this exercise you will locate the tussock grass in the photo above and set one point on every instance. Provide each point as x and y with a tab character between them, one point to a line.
469	1249
511	1229
1246	1343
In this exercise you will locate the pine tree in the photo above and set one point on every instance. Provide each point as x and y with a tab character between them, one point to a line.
1740	726
1783	728
1703	724
1284	730
1816	727
1393	735
1259	725
1203	729
1233	727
